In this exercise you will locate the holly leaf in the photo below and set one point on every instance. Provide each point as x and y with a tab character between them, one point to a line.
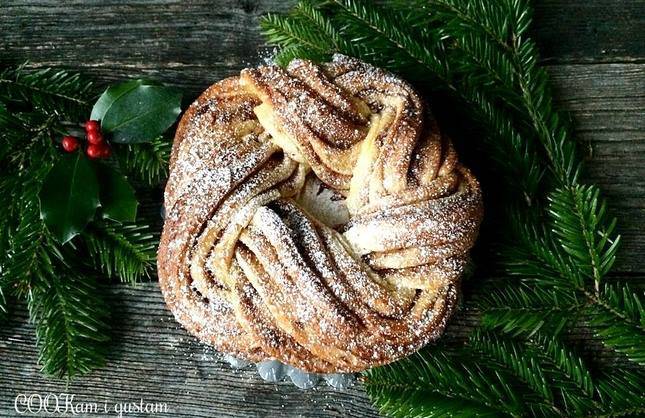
112	94
69	196
116	195
137	110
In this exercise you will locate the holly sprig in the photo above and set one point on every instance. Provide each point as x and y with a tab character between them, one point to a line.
552	239
132	112
69	210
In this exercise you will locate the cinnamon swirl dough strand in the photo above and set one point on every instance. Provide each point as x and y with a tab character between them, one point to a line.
315	215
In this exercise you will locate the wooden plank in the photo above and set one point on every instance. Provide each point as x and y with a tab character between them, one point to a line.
192	44
589	31
606	103
154	359
196	42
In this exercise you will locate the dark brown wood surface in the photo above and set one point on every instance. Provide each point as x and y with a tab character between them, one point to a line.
594	53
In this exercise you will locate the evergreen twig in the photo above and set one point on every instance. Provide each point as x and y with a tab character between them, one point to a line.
127	251
48	90
68	310
71	322
434	384
147	162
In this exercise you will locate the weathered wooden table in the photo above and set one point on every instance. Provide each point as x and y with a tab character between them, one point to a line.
594	53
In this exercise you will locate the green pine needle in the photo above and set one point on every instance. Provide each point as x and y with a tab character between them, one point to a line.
12	132
559	379
535	257
621	392
618	318
520	361
28	242
65	302
566	372
127	251
401	402
433	384
525	308
578	217
297	30
147	162
55	92
71	323
4	309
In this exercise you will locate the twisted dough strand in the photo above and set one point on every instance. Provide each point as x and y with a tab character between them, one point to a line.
315	215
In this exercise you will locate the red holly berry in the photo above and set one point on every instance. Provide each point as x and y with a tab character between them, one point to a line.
69	143
94	137
106	151
92	126
94	151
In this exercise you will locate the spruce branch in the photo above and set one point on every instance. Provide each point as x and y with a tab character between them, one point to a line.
51	91
578	218
71	322
627	334
491	19
567	372
305	33
28	255
23	137
373	30
67	308
310	13
537	259
12	132
544	364
548	124
621	393
4	309
10	188
401	402
484	35
385	42
509	354
29	244
525	309
147	162
434	384
127	251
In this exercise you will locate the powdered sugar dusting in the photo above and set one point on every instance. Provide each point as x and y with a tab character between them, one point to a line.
353	265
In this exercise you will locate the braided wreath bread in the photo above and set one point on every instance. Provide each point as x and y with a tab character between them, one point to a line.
315	215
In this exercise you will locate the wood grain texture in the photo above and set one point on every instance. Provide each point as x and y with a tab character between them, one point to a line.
153	358
606	102
195	42
594	50
584	31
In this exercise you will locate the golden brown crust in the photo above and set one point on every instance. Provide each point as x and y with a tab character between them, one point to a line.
246	266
